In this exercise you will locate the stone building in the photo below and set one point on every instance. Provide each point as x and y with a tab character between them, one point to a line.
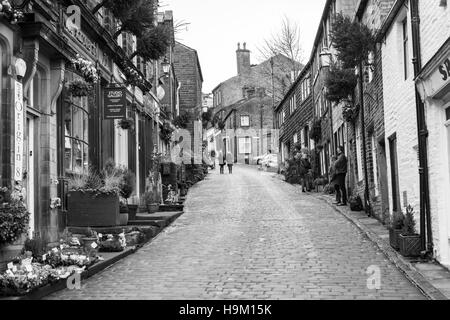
433	85
370	158
294	115
274	75
57	135
248	128
190	77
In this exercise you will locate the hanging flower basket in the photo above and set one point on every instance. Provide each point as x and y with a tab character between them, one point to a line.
86	69
350	112
340	84
7	11
126	124
182	121
166	132
79	88
14	216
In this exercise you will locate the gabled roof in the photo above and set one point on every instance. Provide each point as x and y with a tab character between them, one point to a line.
196	56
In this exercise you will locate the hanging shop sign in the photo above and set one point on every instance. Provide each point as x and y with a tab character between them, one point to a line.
18	131
115	103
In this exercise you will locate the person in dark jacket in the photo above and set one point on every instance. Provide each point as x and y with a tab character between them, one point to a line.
333	183
340	172
305	166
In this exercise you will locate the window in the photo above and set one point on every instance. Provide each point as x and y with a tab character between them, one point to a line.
405	47
394	173
245	145
76	135
306	137
295	138
292	104
245	121
283	116
358	152
375	166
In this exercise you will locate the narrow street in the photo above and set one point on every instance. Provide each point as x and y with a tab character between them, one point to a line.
250	236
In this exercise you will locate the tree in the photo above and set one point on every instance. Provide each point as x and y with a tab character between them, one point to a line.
352	40
286	42
138	18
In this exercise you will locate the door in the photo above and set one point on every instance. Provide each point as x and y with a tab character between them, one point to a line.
29	173
383	179
394	174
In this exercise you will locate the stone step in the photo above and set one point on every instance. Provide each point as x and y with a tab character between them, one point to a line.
155	223
168	216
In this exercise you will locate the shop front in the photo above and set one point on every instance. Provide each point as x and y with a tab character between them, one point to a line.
433	85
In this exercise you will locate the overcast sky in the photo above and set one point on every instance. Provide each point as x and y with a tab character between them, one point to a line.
216	26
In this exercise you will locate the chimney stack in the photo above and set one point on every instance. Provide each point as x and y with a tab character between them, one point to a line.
243	60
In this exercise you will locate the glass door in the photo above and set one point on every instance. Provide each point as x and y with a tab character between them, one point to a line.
29	173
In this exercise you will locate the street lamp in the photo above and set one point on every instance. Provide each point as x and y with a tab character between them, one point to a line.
165	66
325	58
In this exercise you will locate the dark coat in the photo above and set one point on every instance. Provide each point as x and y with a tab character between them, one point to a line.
304	166
341	164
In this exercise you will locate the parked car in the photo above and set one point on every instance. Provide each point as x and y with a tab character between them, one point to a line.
271	160
260	158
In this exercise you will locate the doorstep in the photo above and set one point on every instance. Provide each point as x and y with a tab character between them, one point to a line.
429	277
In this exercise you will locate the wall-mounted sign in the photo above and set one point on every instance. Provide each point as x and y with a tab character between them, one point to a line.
73	20
437	84
18	131
115	103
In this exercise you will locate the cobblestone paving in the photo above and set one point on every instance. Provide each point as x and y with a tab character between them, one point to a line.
250	236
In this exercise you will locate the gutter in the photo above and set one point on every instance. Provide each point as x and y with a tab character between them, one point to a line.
425	216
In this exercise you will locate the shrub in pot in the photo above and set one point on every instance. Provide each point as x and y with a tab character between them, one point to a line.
126	190
356	203
93	199
395	228
409	240
150	202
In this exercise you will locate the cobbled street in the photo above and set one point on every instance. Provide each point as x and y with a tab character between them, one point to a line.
250	236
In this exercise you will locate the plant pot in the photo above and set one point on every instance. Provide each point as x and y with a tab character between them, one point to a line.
393	238
123	219
132	210
409	245
87	244
152	208
171	207
92	209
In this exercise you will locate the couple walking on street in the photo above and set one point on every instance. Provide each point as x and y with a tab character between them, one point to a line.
338	171
226	159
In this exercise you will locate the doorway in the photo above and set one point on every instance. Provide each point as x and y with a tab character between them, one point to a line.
383	178
29	181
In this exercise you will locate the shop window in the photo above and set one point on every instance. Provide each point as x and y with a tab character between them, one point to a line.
76	124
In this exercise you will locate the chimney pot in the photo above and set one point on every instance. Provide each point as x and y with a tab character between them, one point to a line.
245	44
239	46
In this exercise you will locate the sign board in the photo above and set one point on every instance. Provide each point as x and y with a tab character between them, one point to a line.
18	130
437	84
115	104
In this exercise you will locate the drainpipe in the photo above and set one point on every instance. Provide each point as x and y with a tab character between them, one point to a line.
425	218
367	205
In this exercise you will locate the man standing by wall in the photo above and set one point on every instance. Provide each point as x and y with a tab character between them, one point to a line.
341	171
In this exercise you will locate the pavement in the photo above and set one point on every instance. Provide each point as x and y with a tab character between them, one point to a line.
252	236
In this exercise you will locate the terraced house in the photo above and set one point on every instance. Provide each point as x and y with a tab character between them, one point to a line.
78	87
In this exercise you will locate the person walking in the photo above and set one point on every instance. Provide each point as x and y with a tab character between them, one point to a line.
229	160
305	166
221	161
333	182
341	171
213	159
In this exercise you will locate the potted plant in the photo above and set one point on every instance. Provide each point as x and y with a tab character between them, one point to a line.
89	242
93	199
79	88
127	186
126	124
150	202
14	216
356	203
409	240
395	229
